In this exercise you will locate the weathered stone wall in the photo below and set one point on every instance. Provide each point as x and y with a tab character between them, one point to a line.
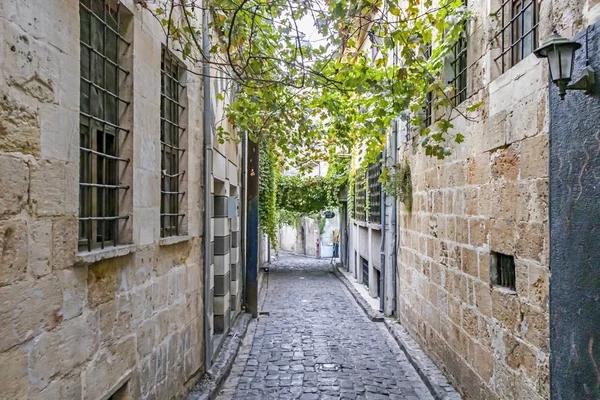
226	268
290	239
79	325
490	195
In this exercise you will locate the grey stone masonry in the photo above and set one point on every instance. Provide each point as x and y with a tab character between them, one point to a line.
311	341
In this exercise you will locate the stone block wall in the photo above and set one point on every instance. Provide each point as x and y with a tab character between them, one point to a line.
226	275
128	318
289	238
489	196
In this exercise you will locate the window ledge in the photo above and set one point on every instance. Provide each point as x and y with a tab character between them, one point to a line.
504	290
371	225
167	241
93	256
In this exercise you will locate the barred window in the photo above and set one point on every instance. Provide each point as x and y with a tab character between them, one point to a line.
172	150
427	107
373	173
459	69
503	270
518	33
360	197
101	134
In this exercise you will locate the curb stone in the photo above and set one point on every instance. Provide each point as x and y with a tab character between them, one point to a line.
211	383
373	315
433	378
437	383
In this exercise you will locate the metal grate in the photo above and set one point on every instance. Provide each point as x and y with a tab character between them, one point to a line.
503	270
360	197
100	103
518	35
171	152
427	107
365	271
459	69
373	174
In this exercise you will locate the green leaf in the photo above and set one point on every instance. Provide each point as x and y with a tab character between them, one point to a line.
339	11
475	106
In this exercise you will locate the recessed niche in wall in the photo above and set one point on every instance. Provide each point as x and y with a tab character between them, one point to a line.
502	272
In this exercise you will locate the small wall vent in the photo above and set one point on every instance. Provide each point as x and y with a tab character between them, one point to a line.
503	270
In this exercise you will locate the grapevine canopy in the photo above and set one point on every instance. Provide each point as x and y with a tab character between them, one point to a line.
319	77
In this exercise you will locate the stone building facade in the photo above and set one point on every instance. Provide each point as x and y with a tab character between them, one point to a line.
226	266
101	211
467	270
473	271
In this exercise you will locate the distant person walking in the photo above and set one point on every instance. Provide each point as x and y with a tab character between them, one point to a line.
336	244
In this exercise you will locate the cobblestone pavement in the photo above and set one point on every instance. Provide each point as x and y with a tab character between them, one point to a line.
316	343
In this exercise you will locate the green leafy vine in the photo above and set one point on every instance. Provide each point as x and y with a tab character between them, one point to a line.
267	181
397	182
307	195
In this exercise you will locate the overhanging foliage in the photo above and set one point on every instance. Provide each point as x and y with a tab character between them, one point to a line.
307	195
308	98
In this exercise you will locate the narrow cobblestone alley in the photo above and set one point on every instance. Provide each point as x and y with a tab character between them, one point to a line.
312	341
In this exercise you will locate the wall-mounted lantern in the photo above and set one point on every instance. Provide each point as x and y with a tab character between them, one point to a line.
561	57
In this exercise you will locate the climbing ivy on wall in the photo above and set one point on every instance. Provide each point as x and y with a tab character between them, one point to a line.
267	182
291	218
307	195
397	182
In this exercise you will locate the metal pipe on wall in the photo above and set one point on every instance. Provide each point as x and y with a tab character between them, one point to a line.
243	212
382	249
394	221
207	132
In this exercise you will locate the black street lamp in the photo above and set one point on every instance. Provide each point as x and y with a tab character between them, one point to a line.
561	56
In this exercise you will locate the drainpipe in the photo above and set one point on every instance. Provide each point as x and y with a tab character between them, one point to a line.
394	218
207	130
382	249
242	258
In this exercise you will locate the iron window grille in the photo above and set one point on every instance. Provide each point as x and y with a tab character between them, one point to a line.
518	33
428	106
360	197
101	42
171	150
459	69
365	271
503	270
373	174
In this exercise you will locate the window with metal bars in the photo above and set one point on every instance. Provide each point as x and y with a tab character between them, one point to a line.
503	270
172	150
428	106
459	69
373	173
101	135
365	271
518	33
360	197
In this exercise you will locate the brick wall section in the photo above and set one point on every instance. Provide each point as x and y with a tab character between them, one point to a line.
491	194
73	327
